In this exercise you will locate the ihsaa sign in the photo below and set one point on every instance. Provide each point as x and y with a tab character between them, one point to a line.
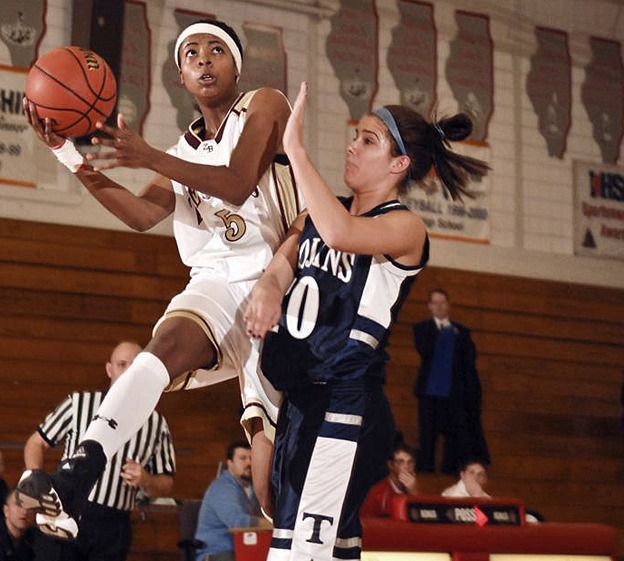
599	215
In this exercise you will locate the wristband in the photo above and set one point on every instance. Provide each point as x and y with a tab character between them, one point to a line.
68	155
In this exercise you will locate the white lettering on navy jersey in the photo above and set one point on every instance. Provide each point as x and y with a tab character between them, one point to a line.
337	315
311	256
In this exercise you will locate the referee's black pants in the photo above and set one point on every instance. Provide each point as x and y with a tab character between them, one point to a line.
105	534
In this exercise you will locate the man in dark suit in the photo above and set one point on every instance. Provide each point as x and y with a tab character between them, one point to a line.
448	390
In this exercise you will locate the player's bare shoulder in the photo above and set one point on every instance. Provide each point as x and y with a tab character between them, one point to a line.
417	227
416	220
413	233
409	221
271	104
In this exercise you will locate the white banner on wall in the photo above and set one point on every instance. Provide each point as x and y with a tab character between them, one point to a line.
16	139
599	210
467	220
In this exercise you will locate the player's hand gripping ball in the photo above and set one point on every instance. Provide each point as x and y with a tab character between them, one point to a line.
74	87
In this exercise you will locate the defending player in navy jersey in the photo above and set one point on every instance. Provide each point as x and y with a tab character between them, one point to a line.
229	186
347	265
337	316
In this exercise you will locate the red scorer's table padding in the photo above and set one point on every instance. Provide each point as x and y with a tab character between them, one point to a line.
462	541
549	538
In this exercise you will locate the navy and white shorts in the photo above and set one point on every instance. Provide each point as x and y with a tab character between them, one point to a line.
332	443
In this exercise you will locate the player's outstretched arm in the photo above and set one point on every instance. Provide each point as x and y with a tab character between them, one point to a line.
267	115
265	302
398	234
139	212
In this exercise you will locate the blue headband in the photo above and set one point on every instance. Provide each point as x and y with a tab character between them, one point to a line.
384	114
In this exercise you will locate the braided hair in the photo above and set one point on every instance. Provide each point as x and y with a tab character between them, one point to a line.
428	144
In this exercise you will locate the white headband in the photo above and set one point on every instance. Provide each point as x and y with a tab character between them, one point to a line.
212	30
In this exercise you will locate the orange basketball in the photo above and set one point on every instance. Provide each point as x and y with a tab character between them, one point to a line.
74	87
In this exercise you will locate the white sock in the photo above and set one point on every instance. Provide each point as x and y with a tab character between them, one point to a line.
129	403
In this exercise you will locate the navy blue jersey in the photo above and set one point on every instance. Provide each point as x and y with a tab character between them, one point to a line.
336	316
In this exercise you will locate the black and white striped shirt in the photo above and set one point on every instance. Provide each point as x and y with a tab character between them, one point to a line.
151	447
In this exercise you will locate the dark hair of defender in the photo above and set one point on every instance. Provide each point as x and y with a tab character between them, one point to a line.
428	144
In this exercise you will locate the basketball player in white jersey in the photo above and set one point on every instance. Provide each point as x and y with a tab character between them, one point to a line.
229	186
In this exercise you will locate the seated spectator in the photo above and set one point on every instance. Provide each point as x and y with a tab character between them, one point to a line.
4	488
16	534
229	502
400	481
472	479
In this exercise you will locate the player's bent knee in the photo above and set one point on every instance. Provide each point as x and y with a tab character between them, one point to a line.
182	346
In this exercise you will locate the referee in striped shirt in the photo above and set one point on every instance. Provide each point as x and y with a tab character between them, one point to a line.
146	461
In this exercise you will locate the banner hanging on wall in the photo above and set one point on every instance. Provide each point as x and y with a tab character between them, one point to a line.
602	93
22	27
549	87
352	47
265	58
134	80
470	70
467	220
16	139
411	58
599	210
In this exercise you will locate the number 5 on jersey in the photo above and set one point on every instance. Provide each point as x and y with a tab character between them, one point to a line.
234	223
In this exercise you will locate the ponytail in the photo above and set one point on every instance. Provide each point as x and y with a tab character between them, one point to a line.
428	144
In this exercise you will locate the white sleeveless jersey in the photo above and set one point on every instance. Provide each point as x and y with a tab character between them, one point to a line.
220	238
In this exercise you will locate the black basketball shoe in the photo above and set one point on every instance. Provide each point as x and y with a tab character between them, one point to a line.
59	499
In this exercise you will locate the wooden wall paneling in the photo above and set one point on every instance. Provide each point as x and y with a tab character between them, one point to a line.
85	281
499	292
79	236
34	302
550	385
72	330
51	349
49	373
555	327
552	369
550	357
457	282
557	468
